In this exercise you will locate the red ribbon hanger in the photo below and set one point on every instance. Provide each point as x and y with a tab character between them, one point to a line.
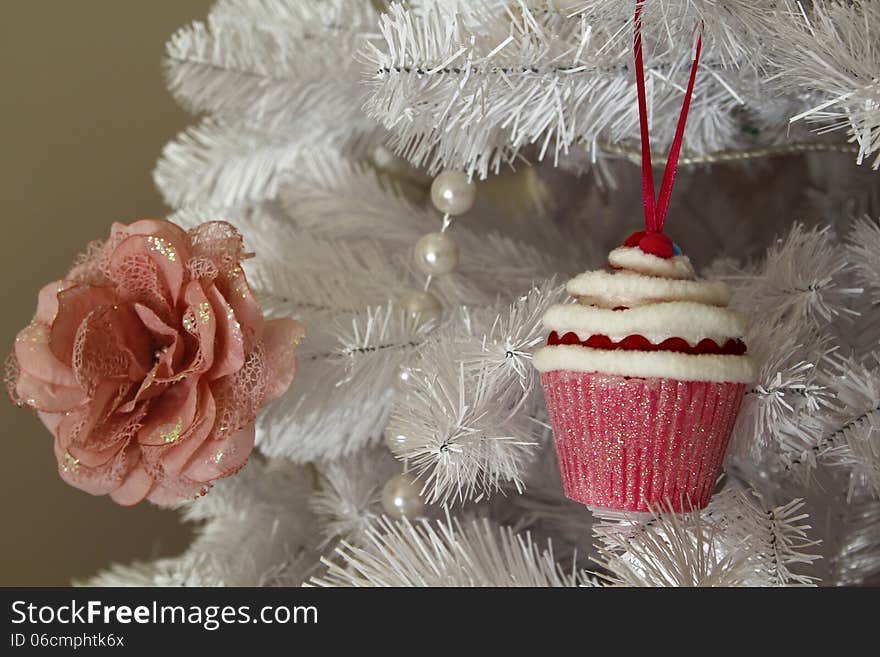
655	212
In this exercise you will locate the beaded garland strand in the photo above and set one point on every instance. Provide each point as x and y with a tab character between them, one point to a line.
435	254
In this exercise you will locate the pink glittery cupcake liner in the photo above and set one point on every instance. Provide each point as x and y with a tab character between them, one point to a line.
631	444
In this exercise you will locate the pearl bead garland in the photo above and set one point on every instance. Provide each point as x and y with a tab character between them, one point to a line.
435	254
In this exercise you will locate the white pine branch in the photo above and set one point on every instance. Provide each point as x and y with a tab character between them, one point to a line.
470	97
732	30
793	310
777	536
215	163
831	47
543	509
464	420
344	387
854	439
455	435
779	410
335	197
857	557
818	293
672	550
502	338
451	553
258	531
295	272
735	541
864	253
349	493
377	344
266	63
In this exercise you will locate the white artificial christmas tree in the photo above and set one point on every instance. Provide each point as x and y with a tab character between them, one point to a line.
325	123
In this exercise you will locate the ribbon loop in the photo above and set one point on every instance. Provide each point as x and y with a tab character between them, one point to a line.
655	212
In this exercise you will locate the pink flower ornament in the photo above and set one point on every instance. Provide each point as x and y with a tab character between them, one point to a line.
149	361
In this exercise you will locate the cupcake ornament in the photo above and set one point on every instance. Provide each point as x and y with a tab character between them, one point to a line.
643	377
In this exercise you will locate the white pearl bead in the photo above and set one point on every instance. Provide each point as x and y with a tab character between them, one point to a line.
395	441
406	373
401	497
423	307
383	158
436	254
403	379
452	193
404	376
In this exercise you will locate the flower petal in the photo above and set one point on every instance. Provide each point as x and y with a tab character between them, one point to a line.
99	480
76	427
35	357
134	488
50	420
223	457
280	339
161	227
168	356
167	248
170	415
111	342
144	276
94	458
199	322
48	397
235	289
229	349
47	301
74	304
173	461
173	491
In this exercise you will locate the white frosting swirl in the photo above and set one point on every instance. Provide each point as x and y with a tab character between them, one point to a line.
675	319
656	298
625	288
646	364
634	259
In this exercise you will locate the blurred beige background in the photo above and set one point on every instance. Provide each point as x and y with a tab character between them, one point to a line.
84	115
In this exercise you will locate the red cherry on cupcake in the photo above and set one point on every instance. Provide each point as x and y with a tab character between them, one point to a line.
657	244
635	238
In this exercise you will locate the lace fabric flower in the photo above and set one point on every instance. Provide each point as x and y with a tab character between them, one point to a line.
149	360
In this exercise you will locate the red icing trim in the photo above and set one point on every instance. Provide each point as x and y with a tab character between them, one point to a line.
732	347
